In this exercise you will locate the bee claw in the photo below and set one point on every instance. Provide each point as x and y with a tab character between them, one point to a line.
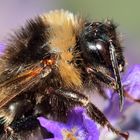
8	131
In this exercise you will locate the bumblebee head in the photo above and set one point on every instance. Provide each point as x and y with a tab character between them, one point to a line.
102	53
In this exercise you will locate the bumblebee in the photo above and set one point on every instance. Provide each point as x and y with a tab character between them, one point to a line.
49	63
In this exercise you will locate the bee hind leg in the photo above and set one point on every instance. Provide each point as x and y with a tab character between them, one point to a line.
76	98
100	118
29	128
16	128
11	113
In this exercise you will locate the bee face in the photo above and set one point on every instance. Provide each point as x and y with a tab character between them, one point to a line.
95	44
102	53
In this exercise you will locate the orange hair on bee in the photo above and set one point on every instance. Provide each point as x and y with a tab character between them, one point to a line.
63	30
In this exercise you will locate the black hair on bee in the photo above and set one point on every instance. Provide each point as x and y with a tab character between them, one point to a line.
49	63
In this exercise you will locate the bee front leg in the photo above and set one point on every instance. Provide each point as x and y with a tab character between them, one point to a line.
63	100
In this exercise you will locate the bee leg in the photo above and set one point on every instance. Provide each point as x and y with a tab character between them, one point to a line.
17	127
59	102
11	112
8	131
29	127
100	118
26	128
24	124
94	113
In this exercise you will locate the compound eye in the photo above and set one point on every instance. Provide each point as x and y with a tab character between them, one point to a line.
102	47
100	50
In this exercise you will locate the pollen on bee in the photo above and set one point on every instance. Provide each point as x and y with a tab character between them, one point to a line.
48	62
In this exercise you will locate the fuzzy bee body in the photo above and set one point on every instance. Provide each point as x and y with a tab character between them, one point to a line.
52	60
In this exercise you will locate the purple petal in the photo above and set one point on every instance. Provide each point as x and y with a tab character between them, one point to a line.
90	126
52	126
75	117
53	139
112	111
79	125
131	82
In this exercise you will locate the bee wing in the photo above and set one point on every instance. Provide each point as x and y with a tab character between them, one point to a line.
9	89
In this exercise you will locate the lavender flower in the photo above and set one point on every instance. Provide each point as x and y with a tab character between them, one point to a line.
78	127
131	82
